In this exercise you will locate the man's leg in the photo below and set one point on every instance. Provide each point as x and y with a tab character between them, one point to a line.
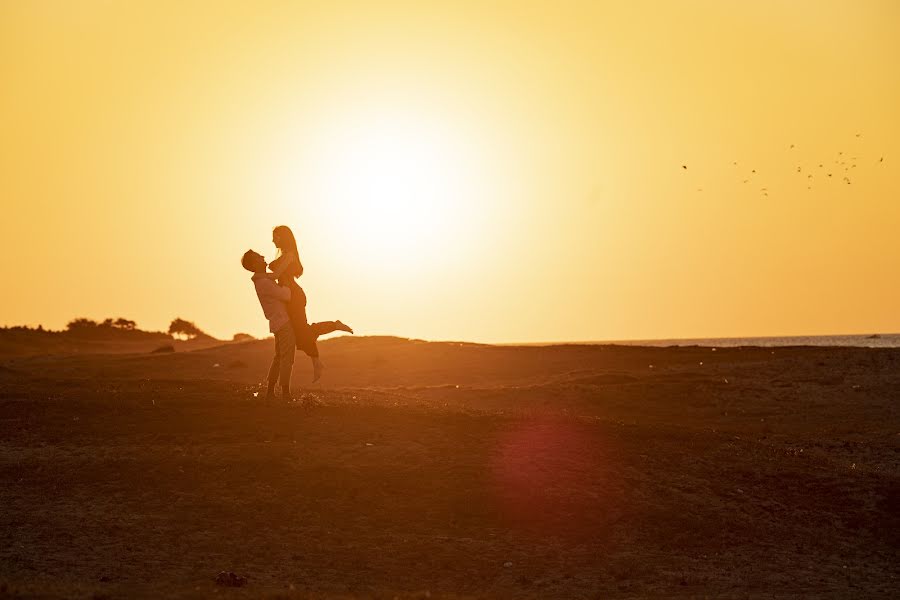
286	347
274	370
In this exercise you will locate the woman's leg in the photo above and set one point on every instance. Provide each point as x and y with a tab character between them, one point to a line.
306	341
326	327
317	368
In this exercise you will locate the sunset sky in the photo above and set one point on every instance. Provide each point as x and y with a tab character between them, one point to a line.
484	171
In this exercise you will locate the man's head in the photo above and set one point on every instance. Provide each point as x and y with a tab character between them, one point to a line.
253	262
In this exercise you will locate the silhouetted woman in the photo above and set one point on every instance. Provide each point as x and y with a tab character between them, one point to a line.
287	268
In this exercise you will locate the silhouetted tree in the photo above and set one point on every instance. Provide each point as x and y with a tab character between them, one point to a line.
180	328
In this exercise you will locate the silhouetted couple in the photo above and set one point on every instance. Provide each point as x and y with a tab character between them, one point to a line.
284	304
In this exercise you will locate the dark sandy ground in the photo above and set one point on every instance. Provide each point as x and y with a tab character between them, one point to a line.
454	470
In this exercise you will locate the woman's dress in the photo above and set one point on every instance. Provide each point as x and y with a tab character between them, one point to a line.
296	307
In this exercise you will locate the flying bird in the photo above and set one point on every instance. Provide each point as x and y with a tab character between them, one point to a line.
684	166
881	159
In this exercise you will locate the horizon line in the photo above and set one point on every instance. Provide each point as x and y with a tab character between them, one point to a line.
593	342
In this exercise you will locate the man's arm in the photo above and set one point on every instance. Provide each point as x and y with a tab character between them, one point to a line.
283	263
268	287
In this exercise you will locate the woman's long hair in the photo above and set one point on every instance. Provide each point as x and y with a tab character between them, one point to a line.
289	244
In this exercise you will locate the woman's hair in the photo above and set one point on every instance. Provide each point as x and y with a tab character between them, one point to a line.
289	244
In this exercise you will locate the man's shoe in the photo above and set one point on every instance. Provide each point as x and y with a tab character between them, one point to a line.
270	393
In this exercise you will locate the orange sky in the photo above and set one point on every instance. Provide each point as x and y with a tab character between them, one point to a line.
497	172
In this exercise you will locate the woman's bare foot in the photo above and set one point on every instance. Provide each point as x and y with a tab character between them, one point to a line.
341	326
317	368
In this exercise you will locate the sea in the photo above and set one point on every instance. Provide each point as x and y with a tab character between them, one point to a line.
877	340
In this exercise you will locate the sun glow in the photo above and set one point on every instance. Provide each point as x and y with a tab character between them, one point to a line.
400	186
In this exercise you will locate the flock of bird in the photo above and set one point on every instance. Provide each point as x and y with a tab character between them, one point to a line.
842	165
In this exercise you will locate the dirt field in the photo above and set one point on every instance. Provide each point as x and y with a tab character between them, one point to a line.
454	470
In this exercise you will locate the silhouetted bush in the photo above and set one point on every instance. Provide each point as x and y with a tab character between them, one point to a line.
126	324
164	349
22	328
82	324
242	337
108	329
120	323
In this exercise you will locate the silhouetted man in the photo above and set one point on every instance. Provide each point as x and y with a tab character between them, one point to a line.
273	299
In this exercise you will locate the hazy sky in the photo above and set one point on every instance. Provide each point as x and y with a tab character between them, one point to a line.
480	171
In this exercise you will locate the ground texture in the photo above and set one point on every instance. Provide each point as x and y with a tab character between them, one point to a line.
453	470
